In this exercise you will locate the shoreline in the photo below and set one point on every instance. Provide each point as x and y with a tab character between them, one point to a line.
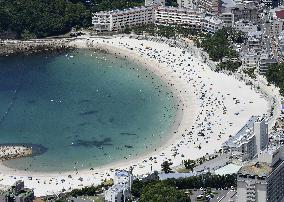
213	100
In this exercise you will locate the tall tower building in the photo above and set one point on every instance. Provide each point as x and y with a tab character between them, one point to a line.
260	129
155	2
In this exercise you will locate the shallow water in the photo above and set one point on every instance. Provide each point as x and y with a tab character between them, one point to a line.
87	110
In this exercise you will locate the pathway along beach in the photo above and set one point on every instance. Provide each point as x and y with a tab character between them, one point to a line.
212	106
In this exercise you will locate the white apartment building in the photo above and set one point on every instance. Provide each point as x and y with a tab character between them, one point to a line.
268	3
249	59
249	141
254	40
276	27
272	3
121	189
179	16
155	2
120	19
281	41
227	18
245	26
212	24
263	180
246	10
264	62
276	21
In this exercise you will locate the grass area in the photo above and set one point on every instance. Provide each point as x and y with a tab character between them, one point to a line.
95	198
108	182
183	170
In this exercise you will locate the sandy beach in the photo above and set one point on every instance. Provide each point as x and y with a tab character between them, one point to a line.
211	107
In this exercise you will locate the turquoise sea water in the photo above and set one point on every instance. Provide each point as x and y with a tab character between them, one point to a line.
87	110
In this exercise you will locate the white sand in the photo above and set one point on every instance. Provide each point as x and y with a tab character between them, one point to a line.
205	96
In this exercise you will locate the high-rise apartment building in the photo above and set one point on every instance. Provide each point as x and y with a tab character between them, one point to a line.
262	180
250	140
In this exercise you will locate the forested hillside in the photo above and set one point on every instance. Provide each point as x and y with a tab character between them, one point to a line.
41	18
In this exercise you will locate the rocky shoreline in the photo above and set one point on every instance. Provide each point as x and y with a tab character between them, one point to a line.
14	150
36	46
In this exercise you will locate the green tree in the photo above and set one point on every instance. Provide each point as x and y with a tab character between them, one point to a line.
166	167
218	45
136	187
162	192
42	18
228	65
189	164
275	75
27	35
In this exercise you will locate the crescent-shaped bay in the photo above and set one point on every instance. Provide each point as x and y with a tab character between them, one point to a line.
88	108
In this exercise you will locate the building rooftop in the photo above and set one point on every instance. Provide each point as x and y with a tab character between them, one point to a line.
280	14
164	176
121	173
271	149
256	34
277	12
249	53
228	169
245	23
228	3
127	10
259	169
213	19
268	60
180	10
118	188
